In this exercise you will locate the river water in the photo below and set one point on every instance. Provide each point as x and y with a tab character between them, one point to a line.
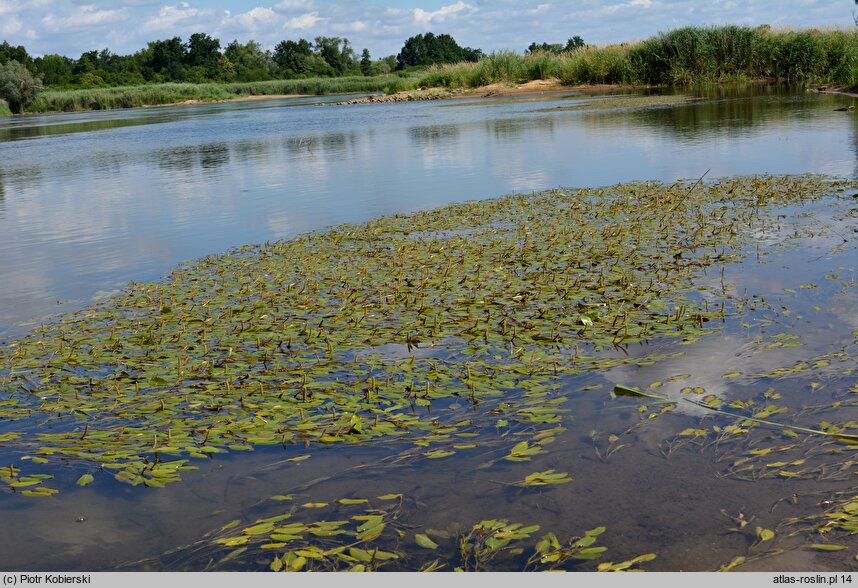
91	201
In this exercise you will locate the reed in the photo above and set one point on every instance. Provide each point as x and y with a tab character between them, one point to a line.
689	55
150	95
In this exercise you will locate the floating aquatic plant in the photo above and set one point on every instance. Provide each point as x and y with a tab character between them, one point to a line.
362	334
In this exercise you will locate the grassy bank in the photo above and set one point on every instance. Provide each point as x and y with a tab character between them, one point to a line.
683	56
133	96
689	55
4	108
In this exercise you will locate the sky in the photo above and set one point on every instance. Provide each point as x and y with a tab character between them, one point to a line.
70	27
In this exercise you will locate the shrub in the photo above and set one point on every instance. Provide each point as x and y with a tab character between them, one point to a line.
18	87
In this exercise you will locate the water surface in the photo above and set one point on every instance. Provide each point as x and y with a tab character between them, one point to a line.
90	201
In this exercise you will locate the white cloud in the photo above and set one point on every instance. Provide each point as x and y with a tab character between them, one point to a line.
349	27
305	21
542	8
256	18
294	5
11	25
86	15
8	8
425	18
169	18
628	5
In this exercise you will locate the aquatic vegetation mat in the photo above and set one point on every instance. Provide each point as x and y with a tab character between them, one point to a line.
371	535
441	334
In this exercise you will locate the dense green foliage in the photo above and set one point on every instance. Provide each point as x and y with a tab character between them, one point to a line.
682	56
4	108
18	87
154	94
687	55
202	59
431	49
556	48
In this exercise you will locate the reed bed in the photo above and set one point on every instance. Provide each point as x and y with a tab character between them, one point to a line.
148	95
688	55
684	56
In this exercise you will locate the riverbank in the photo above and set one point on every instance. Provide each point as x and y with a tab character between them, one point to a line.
172	94
193	94
192	102
725	54
500	89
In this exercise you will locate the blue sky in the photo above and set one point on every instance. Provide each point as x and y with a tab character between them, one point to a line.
70	27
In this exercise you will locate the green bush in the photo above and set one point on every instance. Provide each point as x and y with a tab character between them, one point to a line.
18	87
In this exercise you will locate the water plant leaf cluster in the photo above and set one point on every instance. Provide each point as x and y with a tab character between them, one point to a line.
375	537
440	334
367	333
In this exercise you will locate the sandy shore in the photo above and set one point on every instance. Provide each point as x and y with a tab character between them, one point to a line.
236	99
535	87
532	88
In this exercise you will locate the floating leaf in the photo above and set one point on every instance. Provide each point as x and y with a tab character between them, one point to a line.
621	390
826	547
545	478
424	541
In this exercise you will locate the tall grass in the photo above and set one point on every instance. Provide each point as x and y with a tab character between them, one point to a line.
4	108
150	95
688	55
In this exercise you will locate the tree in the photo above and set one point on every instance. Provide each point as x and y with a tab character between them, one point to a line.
18	87
251	61
293	57
17	53
555	48
203	50
365	62
54	69
574	43
168	58
341	59
544	48
430	49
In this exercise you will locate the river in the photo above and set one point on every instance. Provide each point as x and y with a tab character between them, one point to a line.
90	202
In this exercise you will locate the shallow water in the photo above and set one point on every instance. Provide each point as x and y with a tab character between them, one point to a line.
655	489
91	201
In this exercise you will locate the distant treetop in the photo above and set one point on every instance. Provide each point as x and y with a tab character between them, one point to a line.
430	49
556	48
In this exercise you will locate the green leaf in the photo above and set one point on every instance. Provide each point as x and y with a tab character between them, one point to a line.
826	547
424	541
621	390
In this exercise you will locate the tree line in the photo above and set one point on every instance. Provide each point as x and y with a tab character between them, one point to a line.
203	59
